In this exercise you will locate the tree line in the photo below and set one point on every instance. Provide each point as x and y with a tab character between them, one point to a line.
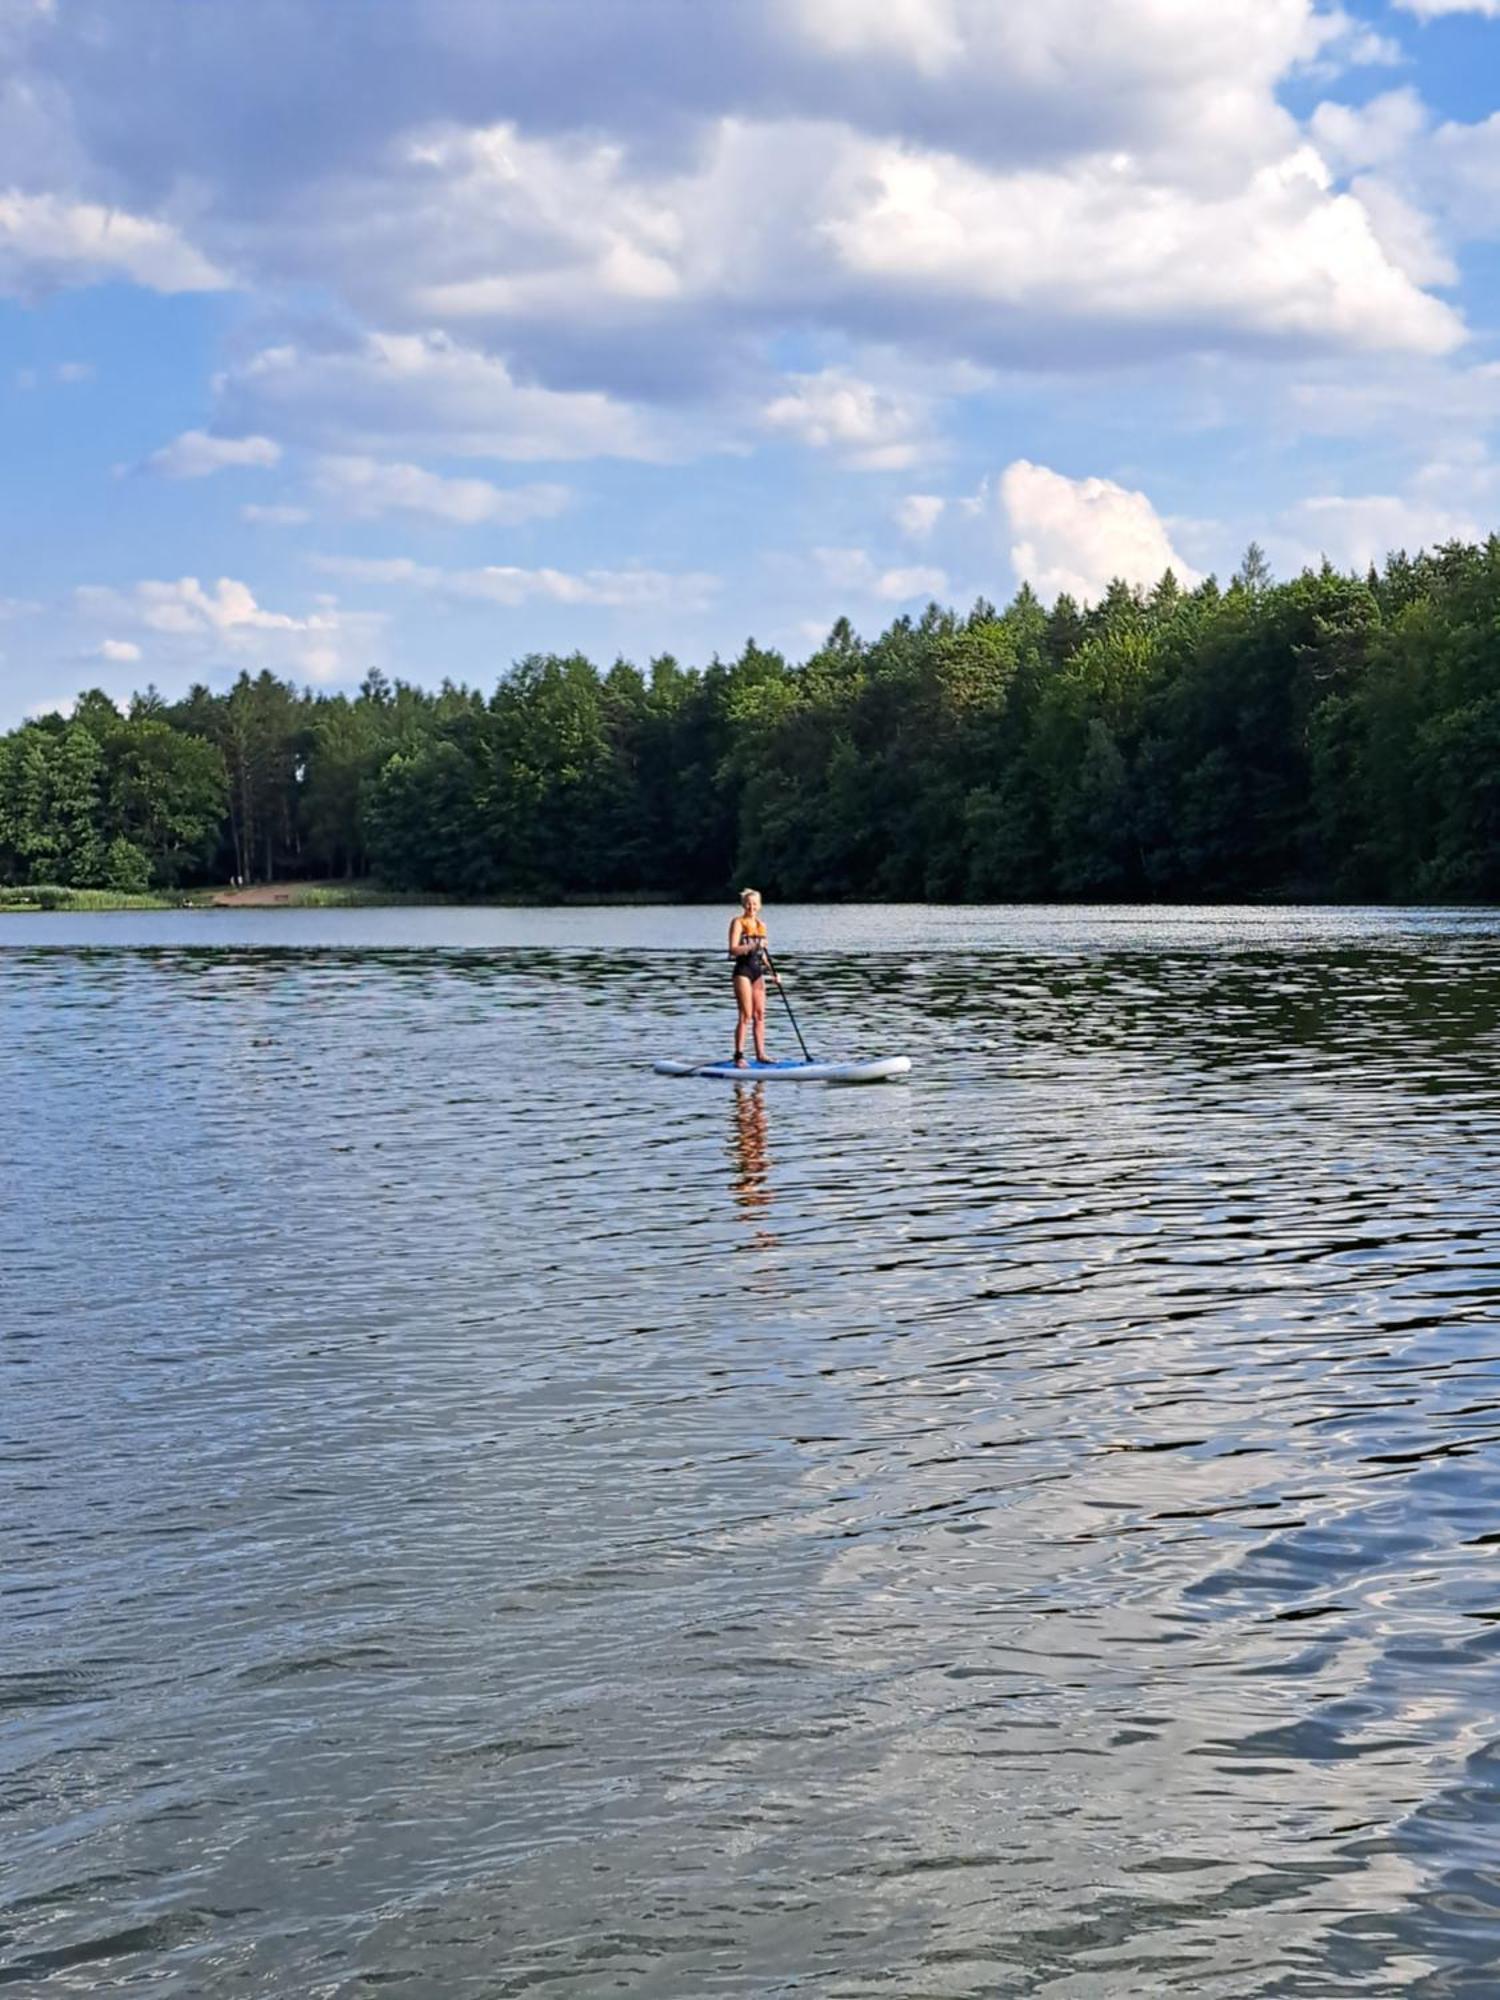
1333	736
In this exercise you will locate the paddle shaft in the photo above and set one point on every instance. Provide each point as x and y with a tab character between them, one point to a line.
806	1053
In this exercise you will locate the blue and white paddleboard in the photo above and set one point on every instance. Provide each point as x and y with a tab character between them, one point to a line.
882	1070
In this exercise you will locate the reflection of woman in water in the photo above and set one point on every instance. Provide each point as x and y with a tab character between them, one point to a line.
752	1188
748	941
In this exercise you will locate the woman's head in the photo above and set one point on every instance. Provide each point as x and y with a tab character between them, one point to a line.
750	901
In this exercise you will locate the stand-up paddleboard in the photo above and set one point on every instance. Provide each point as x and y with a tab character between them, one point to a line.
882	1070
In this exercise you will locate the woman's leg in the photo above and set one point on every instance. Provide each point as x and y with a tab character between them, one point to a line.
743	1002
758	1003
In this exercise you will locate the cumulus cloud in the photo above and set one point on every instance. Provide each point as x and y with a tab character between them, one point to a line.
1353	137
205	623
1429	10
1120	75
47	242
426	390
854	570
503	583
576	254
869	428
368	488
1417	178
1459	172
996	77
187	606
1405	232
540	220
1281	259
1417	405
120	652
197	454
1078	535
1447	499
1355	531
542	236
919	514
276	514
925	33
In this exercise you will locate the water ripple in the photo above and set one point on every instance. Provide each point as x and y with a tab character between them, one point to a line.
479	1518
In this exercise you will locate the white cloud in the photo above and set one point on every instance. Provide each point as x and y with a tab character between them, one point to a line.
67	374
1050	183
870	428
925	33
1363	46
64	708
919	514
527	238
1430	176
1460	173
1124	74
1386	148
202	623
882	238
1407	235
1282	258
503	583
567	220
1353	137
196	455
275	515
47	241
898	586
1078	535
119	651
431	392
186	606
854	570
1449	499
1418	404
1429	10
366	487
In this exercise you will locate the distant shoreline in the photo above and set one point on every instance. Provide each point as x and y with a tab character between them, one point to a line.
41	898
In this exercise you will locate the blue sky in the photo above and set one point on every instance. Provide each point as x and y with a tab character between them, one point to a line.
428	335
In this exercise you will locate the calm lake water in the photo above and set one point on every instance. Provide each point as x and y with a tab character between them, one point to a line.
477	1518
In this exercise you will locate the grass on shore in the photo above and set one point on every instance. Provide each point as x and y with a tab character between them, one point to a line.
364	895
55	896
297	895
353	896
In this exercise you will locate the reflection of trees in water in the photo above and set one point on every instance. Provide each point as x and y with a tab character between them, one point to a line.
1437	999
752	1160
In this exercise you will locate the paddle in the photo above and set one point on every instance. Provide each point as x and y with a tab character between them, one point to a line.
806	1054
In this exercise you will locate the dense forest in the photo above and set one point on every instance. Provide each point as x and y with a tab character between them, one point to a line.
1334	736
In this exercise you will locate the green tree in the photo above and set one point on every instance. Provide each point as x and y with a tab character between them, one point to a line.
165	795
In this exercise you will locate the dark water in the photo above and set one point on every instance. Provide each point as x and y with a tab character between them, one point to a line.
479	1519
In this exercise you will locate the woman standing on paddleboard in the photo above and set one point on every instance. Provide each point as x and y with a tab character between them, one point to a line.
748	942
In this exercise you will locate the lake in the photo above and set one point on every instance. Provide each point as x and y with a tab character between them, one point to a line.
478	1518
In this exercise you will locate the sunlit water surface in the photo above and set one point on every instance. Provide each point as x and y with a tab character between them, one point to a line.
477	1518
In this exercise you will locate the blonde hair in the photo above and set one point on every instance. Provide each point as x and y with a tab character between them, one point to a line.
746	894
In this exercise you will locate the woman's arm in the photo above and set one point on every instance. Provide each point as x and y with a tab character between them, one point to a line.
735	938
